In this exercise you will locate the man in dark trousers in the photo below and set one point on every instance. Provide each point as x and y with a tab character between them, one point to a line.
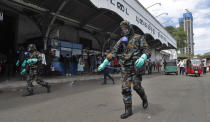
149	67
107	73
67	65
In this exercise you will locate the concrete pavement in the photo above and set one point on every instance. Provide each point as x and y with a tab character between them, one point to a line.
171	99
14	83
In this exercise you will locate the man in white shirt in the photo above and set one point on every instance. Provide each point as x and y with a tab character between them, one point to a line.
181	66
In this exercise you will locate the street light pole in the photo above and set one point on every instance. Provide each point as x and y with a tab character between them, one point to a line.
161	14
153	5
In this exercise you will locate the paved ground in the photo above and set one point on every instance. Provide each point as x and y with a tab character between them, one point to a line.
15	82
171	99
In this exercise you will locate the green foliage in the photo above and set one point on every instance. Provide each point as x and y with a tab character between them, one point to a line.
170	29
179	35
206	55
184	56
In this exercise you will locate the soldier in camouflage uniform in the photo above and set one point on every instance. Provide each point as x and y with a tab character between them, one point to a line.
135	53
32	70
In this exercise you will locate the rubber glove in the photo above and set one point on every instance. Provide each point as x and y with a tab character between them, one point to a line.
23	72
103	65
33	60
24	63
140	62
17	63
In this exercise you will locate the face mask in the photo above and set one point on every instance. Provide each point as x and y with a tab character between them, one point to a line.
124	41
26	53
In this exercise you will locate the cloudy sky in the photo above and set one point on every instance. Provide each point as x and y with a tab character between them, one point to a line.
175	9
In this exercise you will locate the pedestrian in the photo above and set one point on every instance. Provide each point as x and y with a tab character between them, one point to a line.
158	66
181	66
153	65
149	67
203	66
80	66
115	64
107	74
99	61
61	59
162	68
88	62
74	63
67	65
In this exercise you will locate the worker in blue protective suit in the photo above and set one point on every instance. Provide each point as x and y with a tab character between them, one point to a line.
135	51
31	70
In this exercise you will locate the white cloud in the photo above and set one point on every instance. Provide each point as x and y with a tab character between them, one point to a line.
175	10
202	40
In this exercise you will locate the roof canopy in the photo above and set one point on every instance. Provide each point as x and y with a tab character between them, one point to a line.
98	16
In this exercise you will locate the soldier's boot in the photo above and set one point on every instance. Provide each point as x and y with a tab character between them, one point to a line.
145	102
141	93
46	85
128	111
48	88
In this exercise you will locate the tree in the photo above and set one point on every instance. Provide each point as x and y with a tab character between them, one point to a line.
185	56
206	55
171	30
179	35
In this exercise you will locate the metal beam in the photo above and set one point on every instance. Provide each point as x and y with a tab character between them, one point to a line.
60	17
29	5
91	18
52	22
41	10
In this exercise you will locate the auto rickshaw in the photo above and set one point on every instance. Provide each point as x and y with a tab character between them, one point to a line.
194	67
170	67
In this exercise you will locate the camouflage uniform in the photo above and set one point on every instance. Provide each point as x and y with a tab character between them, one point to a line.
131	51
32	70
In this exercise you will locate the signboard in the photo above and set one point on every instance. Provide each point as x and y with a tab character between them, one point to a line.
1	16
76	52
70	45
66	49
